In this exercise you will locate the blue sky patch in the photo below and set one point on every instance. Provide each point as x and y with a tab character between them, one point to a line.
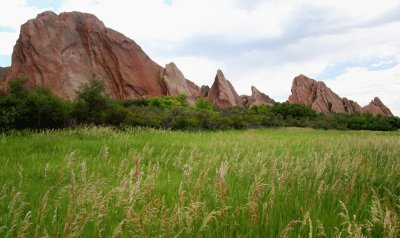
5	60
168	2
375	64
7	29
49	4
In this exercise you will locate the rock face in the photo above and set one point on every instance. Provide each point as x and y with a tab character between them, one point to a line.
319	97
245	100
376	107
204	90
4	72
258	98
64	51
351	106
176	83
222	94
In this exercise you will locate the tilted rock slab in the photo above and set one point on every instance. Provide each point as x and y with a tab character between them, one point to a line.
65	51
319	97
222	94
258	98
176	83
376	107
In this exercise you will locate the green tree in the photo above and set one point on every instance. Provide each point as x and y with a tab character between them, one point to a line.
203	104
91	102
36	109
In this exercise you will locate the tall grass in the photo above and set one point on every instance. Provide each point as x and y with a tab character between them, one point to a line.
98	182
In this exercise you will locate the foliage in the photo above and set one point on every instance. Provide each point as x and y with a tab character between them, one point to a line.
35	109
38	109
91	102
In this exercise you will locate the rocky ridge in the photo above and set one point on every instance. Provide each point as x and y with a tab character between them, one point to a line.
376	107
319	97
64	51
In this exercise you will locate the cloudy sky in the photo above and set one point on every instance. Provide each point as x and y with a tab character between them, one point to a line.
352	45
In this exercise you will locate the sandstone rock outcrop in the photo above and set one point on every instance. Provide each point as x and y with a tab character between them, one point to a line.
3	72
64	51
319	97
258	98
351	106
176	83
245	100
376	107
222	94
204	90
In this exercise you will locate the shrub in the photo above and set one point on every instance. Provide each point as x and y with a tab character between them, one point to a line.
91	102
36	109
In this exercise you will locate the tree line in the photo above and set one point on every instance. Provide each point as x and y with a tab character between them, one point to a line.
39	108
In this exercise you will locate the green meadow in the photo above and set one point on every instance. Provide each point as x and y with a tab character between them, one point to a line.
102	182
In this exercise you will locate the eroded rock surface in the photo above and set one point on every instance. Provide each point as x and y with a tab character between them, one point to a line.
176	83
258	98
64	51
4	72
319	97
376	107
222	94
204	90
351	106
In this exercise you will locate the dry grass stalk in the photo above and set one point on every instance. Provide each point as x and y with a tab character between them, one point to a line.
320	229
289	227
26	223
119	229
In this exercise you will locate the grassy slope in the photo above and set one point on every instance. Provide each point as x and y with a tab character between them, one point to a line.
248	183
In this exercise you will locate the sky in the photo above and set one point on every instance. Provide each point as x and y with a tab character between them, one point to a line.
351	45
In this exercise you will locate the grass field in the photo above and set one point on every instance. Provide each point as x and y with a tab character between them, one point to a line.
98	182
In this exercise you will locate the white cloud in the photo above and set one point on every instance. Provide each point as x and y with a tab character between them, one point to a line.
13	15
274	82
200	70
362	85
7	42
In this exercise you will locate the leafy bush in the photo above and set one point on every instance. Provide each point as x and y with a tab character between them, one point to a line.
91	103
35	109
39	109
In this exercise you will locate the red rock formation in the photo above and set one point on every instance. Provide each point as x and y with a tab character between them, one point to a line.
204	90
4	72
64	51
319	97
176	83
258	98
351	106
222	94
376	107
245	100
